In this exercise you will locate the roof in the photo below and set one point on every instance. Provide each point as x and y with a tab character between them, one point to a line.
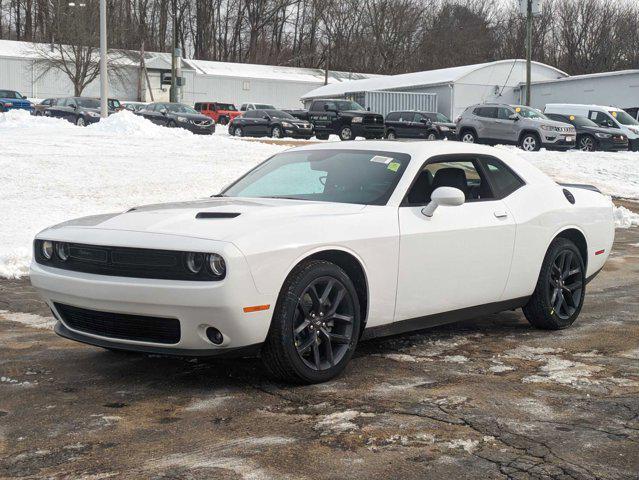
162	61
590	75
428	77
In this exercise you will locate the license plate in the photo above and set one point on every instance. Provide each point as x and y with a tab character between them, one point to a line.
569	139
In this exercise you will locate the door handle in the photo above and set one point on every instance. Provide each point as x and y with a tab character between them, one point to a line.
501	214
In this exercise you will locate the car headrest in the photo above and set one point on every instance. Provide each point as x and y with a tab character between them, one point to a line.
451	177
419	191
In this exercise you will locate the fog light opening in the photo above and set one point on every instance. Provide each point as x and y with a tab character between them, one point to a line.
214	335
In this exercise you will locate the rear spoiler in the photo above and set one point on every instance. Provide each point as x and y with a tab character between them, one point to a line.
581	185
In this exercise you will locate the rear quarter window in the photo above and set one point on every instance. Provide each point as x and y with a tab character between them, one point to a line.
501	177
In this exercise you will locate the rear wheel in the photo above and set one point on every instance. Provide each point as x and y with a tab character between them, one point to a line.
559	294
223	120
530	142
587	143
468	136
431	136
80	121
315	325
391	135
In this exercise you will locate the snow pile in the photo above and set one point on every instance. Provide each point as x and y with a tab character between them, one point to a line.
22	119
125	123
625	218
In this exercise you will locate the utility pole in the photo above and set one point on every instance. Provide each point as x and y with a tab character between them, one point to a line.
173	90
104	79
529	18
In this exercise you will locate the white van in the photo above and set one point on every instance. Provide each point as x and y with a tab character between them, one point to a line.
607	117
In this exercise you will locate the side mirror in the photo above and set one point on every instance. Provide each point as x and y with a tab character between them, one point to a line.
163	111
325	107
515	117
425	121
444	196
74	106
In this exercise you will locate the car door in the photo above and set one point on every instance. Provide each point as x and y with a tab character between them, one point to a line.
503	127
262	125
61	109
484	121
421	126
248	122
461	256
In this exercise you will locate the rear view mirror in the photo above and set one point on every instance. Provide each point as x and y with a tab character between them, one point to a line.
444	196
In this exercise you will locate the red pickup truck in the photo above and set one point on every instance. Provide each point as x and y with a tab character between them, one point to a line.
221	113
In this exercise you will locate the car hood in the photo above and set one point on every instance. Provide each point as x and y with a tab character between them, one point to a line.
611	131
191	116
218	218
551	123
16	101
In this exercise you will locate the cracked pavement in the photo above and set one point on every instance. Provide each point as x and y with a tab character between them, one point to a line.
487	398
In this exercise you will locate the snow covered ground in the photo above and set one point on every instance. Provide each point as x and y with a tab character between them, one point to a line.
51	171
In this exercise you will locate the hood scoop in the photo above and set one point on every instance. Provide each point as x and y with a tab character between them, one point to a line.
217	215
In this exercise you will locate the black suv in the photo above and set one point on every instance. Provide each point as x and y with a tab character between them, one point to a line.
344	118
270	123
412	124
590	136
178	115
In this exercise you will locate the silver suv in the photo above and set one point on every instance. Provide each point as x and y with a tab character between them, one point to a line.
494	123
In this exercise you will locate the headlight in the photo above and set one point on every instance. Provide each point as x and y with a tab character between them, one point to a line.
286	124
194	262
47	249
182	119
62	250
357	120
548	128
216	264
93	114
603	135
444	128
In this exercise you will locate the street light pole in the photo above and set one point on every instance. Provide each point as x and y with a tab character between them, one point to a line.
529	17
104	79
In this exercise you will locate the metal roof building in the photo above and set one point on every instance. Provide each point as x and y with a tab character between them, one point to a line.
456	88
205	80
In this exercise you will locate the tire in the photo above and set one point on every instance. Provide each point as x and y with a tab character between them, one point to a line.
304	357
238	132
468	136
529	142
79	121
276	132
321	136
431	136
391	135
587	143
346	133
223	120
559	294
171	124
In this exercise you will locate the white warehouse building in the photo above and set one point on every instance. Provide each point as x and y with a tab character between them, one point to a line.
455	88
205	80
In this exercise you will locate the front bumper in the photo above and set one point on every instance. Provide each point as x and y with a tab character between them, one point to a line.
196	305
609	145
298	132
559	142
633	144
368	130
198	129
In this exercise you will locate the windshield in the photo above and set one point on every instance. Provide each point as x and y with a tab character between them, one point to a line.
528	112
114	104
179	108
347	105
344	176
279	114
226	106
9	94
623	118
582	122
88	102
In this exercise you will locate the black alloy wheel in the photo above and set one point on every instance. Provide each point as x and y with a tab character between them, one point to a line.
561	287
315	325
587	143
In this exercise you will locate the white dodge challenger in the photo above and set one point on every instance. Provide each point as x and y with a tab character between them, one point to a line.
324	245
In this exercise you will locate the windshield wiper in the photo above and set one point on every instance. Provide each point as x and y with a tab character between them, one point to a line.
285	198
219	195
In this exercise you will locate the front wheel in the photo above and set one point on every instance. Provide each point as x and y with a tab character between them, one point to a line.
391	135
431	136
223	121
276	132
559	294
530	142
346	133
468	136
315	325
238	132
587	143
80	121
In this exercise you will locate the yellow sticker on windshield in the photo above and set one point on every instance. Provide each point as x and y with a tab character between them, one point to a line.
572	117
518	109
614	114
393	166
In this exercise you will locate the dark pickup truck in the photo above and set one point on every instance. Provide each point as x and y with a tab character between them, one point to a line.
344	118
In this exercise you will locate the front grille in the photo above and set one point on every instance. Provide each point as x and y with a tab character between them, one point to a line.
373	119
119	325
202	123
125	262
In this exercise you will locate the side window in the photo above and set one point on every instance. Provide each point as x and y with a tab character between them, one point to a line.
600	118
503	179
198	107
417	117
463	175
243	107
503	113
250	114
392	117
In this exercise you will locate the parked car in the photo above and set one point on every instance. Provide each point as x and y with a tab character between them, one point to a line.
606	117
79	110
344	118
221	113
527	127
114	105
590	136
256	106
39	108
292	262
12	100
273	123
178	115
134	106
412	124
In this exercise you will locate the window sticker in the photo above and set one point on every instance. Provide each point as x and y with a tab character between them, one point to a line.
381	159
518	109
572	117
614	114
393	166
